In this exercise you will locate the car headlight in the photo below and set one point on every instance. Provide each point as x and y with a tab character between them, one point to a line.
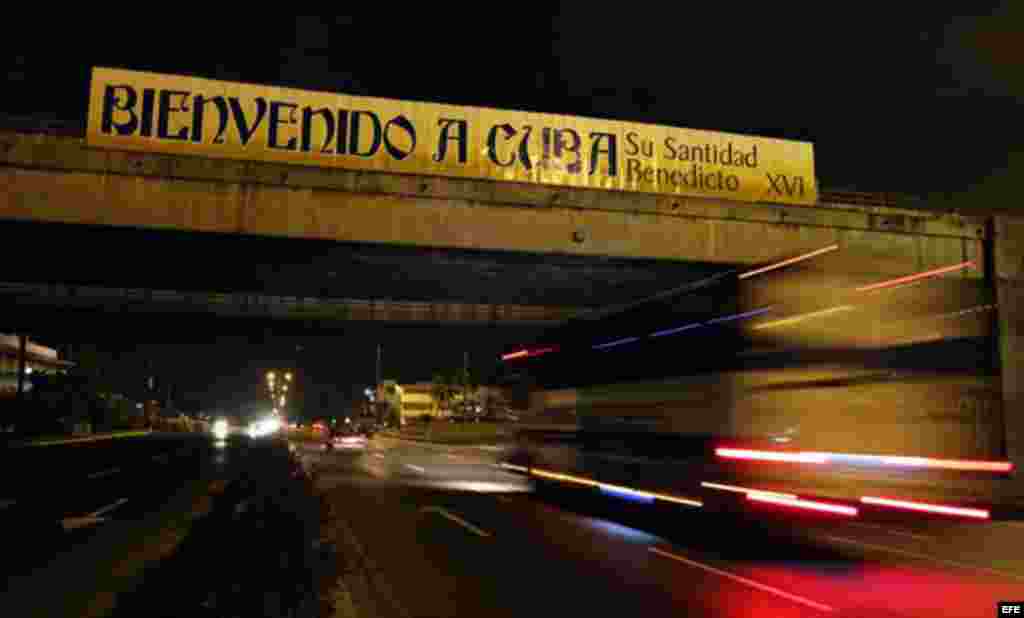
220	429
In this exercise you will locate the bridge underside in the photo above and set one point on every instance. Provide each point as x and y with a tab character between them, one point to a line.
251	239
59	179
215	282
236	264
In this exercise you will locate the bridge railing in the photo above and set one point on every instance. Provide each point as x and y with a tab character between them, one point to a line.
283	307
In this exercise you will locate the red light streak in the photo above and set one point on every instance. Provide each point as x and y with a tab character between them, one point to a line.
889	460
781	456
809	505
927	508
747	491
528	353
911	278
949	464
784	263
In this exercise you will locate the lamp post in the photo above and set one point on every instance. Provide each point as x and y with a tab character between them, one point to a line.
278	385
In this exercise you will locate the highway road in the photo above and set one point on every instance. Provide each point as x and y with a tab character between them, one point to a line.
427	530
84	521
422	530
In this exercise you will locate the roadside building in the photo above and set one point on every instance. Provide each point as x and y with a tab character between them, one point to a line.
418	400
39	359
389	403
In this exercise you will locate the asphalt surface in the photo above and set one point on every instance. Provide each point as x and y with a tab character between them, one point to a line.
83	521
46	487
441	531
422	530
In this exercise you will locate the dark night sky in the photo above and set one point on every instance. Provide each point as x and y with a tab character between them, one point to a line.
914	100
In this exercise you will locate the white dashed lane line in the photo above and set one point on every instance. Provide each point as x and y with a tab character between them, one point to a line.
455	518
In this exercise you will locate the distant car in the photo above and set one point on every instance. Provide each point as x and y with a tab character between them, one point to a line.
349	440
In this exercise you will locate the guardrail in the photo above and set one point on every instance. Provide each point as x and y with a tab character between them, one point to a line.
281	307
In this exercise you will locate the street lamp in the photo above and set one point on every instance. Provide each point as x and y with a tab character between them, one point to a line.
288	376
282	401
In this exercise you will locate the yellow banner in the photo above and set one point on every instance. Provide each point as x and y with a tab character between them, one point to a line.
130	110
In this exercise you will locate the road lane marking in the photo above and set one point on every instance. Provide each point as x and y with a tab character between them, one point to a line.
455	518
920	537
108	508
103	473
743	580
450	456
380	455
419	469
927	557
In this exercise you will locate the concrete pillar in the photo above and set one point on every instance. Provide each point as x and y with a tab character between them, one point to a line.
1009	263
22	343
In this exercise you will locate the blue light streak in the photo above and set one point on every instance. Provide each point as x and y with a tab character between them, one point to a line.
616	342
626	494
672	331
680	329
739	316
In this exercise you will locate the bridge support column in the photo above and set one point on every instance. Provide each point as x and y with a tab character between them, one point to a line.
1009	267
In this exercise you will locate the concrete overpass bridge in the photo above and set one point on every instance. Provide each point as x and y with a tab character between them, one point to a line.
521	248
63	180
